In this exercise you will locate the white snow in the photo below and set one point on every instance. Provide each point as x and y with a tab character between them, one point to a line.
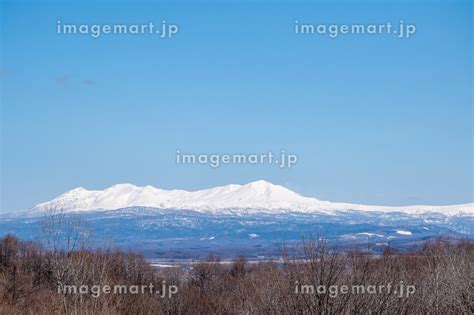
402	232
258	196
207	238
162	265
370	234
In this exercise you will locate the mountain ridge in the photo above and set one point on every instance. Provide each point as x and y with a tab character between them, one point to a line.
257	196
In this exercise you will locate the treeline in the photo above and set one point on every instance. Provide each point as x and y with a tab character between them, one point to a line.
436	278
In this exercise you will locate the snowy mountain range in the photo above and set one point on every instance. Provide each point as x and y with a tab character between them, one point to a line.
255	197
253	219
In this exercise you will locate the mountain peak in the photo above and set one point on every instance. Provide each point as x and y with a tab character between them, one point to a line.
260	185
123	186
77	189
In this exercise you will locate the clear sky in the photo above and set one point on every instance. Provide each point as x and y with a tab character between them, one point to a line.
373	119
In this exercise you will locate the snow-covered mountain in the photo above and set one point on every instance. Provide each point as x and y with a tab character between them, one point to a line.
259	196
255	219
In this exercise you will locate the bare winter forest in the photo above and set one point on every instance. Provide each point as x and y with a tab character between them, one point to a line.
35	276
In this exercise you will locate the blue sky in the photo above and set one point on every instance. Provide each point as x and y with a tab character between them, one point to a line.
373	119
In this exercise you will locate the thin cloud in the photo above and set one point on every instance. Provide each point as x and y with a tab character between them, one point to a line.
62	80
65	79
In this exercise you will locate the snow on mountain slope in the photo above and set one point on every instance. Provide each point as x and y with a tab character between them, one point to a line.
257	196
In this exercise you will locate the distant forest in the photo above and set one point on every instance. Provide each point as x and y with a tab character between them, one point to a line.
436	279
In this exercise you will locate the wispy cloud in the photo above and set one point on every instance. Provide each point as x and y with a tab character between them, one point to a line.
4	72
62	80
65	79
